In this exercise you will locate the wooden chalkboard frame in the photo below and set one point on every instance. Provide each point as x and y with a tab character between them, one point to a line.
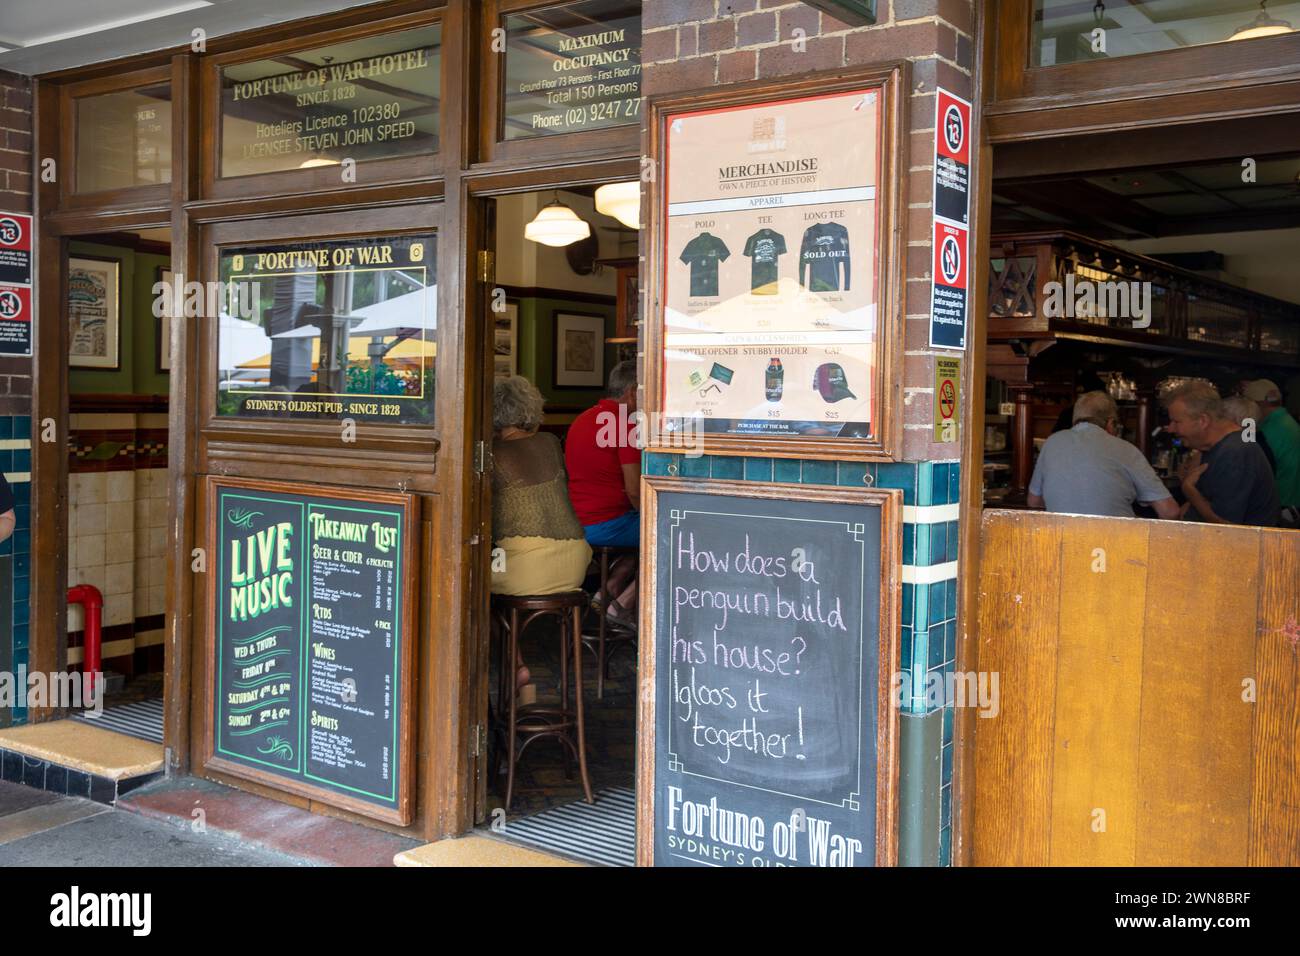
402	813
890	503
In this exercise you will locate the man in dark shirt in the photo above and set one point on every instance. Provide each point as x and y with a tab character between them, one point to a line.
1226	480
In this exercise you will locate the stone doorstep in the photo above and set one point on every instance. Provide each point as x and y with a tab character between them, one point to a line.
52	777
84	748
479	851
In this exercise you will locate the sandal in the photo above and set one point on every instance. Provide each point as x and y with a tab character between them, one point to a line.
620	617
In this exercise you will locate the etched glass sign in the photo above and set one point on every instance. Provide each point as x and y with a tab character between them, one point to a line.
333	330
571	68
124	139
373	98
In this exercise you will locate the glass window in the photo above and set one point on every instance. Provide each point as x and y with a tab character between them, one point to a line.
1069	31
373	98
329	330
573	67
124	139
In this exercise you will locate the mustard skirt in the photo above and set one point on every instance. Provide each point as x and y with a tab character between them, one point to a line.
532	565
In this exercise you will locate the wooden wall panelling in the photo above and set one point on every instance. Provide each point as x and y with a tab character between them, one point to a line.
1275	742
1194	776
1013	751
1098	691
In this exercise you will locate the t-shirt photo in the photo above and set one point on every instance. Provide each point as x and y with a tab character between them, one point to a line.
764	248
702	254
824	250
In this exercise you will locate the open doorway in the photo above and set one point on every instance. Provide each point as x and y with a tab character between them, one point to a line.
118	385
563	318
1136	281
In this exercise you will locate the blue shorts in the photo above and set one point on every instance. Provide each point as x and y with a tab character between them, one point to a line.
621	532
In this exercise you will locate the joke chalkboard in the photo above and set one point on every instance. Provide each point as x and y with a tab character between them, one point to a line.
308	658
772	653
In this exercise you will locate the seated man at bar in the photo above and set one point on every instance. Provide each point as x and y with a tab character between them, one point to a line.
1226	479
605	485
1282	433
1089	470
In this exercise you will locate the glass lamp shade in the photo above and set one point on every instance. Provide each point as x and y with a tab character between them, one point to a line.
556	225
1262	26
622	201
316	161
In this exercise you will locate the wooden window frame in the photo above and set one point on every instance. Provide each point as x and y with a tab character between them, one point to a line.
316	180
596	144
156	194
395	440
887	442
1143	89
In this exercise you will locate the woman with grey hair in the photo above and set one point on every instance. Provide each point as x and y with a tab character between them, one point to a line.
533	522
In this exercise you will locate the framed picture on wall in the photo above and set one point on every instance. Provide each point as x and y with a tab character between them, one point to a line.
163	332
505	342
579	350
94	312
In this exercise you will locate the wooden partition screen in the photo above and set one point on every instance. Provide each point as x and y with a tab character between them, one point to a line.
1148	696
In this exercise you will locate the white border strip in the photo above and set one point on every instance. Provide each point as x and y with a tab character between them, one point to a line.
929	575
930	514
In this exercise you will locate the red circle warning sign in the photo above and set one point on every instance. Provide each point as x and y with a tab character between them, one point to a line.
947	398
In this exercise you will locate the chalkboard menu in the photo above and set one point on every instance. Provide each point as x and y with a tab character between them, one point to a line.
308	664
774	624
572	67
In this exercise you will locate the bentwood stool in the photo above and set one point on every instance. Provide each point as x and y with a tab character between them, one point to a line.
606	637
525	724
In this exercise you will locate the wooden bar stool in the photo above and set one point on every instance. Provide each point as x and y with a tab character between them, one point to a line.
525	724
602	638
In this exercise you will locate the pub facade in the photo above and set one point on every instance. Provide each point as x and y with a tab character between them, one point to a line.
336	222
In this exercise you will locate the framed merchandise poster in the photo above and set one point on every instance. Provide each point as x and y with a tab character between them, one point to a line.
94	312
777	303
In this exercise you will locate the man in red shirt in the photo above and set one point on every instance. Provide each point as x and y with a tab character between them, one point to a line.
604	468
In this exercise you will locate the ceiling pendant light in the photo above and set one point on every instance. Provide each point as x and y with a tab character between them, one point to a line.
622	201
556	225
1262	26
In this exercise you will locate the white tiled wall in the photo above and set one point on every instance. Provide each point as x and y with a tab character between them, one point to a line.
117	522
150	540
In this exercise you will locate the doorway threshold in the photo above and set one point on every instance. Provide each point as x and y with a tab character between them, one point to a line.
70	758
601	833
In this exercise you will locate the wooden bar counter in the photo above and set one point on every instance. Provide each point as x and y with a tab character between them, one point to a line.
1148	708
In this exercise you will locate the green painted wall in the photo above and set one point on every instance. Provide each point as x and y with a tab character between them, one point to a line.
536	345
137	372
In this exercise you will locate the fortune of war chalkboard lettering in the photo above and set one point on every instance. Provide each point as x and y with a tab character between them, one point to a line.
772	733
308	657
572	67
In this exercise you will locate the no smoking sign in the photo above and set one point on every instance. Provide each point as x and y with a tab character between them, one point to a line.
947	398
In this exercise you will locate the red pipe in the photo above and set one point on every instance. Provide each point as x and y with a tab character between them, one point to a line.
89	597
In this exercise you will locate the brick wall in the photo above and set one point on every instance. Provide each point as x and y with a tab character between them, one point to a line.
15	397
15	196
700	44
693	45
